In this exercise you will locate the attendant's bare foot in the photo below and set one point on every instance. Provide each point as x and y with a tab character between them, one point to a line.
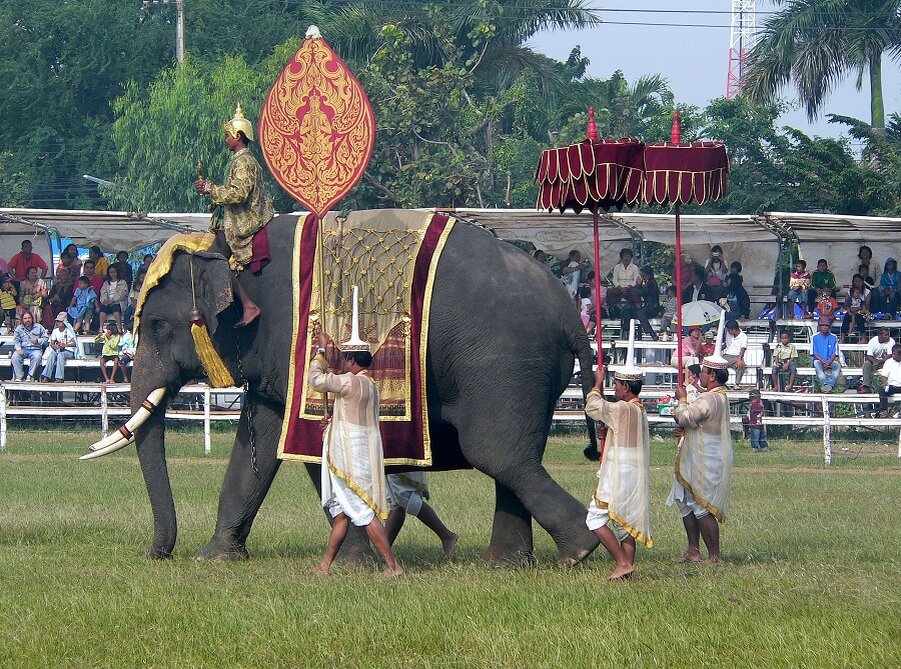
392	572
688	556
716	560
621	573
319	570
449	543
251	312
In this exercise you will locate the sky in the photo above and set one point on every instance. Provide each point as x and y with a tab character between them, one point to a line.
695	59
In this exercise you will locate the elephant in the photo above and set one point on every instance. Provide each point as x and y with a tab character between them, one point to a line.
503	336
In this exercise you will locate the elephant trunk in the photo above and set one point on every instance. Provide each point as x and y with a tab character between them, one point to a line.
151	445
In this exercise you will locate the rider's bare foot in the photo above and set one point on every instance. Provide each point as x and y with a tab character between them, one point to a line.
688	556
621	573
392	572
251	312
449	543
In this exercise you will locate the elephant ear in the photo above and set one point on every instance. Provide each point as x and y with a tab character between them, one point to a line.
213	279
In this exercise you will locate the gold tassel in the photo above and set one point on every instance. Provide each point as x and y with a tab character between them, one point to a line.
216	370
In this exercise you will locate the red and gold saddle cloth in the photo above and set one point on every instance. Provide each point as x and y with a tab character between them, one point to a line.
391	255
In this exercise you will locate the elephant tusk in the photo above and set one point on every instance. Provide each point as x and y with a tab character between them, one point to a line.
126	433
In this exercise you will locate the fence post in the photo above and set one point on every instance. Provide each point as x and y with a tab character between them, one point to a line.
827	433
3	420
207	446
104	413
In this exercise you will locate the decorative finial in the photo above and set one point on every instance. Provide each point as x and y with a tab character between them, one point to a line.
313	33
592	130
676	132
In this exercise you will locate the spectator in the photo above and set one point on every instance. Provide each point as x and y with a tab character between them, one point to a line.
716	257
8	301
716	277
868	279
114	297
94	279
708	348
891	373
539	255
693	387
864	263
647	292
110	351
572	271
691	347
148	258
81	308
134	294
827	305
825	356
63	346
736	296
60	296
128	344
28	342
124	267
4	266
859	281
69	259
669	311
585	308
687	266
799	286
22	261
589	281
879	349
625	280
822	279
785	361
734	349
853	308
759	443
697	289
32	294
101	266
887	292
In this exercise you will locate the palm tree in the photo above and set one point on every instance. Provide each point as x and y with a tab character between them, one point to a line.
815	44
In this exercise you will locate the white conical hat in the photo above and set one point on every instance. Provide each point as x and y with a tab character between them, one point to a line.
630	372
355	343
717	361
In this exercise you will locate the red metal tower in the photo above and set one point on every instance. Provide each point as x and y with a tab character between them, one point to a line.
742	37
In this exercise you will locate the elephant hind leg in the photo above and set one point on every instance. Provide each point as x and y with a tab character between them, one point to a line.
511	534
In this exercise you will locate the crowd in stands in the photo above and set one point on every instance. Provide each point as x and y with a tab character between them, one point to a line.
628	292
89	297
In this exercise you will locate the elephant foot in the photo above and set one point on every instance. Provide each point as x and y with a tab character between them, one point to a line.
158	553
356	556
571	556
509	559
221	550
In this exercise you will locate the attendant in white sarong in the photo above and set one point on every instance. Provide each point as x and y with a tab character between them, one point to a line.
619	513
353	469
703	471
408	492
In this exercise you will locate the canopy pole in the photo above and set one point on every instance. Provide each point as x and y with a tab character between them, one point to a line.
679	290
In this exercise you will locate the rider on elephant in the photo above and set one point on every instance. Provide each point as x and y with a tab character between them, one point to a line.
245	207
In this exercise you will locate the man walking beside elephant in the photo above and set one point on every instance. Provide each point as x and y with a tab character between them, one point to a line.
354	488
246	207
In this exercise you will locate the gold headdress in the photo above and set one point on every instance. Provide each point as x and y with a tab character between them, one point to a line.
355	343
239	124
630	371
717	361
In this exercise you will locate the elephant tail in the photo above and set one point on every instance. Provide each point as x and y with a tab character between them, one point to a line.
581	348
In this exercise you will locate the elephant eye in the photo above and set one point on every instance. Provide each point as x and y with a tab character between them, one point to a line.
160	327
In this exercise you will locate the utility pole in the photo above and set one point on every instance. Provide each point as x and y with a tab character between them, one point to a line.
148	5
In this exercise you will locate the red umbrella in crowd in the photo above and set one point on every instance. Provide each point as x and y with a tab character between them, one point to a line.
598	174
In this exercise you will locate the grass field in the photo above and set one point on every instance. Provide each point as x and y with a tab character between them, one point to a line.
813	576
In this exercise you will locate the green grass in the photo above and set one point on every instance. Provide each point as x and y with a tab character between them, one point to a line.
812	579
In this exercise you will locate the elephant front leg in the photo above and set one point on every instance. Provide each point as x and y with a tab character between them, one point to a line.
243	490
511	534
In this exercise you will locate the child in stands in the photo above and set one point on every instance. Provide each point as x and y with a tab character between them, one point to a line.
110	351
8	303
799	285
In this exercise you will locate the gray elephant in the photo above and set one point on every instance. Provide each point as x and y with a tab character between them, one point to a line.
503	336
